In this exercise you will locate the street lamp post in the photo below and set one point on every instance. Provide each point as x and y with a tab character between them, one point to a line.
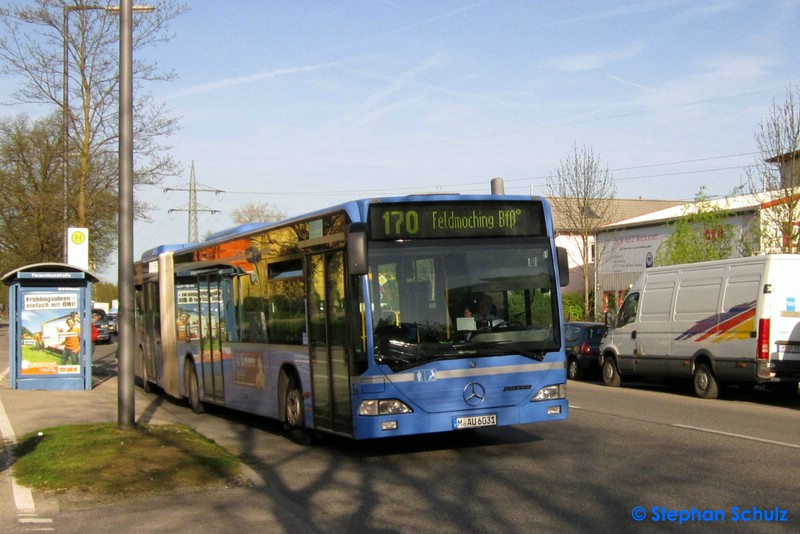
126	412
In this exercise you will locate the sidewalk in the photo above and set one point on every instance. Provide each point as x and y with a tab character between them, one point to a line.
21	510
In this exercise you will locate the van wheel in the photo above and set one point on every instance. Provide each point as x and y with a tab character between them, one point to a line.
192	387
610	373
573	369
705	384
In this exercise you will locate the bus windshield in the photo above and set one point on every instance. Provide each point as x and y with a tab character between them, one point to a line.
462	298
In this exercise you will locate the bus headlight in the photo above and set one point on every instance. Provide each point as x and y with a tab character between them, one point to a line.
556	391
383	407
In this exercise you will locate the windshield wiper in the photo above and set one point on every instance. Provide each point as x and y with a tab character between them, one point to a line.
509	346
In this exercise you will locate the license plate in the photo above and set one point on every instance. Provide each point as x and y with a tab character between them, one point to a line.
474	421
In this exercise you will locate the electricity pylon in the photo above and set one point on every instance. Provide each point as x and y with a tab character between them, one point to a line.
193	208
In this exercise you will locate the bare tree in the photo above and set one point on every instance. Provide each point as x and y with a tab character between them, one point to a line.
580	193
67	54
257	212
775	175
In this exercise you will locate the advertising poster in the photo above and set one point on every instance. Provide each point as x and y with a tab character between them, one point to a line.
51	334
631	250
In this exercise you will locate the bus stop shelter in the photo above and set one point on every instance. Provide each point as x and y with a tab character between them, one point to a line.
49	321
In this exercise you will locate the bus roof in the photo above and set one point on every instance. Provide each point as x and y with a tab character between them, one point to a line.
153	253
239	230
357	209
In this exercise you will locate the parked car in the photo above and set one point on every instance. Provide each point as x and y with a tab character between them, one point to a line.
112	322
583	348
100	320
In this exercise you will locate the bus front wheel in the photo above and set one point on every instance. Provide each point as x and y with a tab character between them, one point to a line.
193	388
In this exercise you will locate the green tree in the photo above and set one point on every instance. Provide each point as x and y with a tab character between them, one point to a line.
572	304
701	234
67	54
31	230
105	292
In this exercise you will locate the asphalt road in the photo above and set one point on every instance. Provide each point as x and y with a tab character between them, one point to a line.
733	460
638	458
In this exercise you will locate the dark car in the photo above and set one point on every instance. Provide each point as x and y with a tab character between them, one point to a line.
100	320
583	348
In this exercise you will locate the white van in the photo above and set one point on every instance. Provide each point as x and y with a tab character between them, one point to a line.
732	321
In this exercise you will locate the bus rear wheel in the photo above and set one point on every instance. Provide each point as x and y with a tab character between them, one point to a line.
293	404
193	388
145	381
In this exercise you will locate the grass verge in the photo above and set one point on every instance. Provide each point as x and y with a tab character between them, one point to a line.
103	462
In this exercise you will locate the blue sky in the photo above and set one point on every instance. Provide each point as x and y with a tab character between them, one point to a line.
306	104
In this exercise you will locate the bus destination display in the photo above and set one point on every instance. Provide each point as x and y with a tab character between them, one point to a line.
456	219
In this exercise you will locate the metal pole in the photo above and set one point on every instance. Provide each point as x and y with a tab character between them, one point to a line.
126	408
65	131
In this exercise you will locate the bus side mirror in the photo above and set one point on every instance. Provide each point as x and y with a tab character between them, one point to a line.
563	266
357	248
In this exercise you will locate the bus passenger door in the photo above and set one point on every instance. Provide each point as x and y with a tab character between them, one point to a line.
151	323
328	346
211	333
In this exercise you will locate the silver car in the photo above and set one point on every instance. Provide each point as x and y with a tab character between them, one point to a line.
112	322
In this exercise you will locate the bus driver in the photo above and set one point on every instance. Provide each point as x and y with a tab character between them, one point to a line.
484	309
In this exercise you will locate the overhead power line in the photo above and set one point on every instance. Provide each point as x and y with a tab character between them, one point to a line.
482	182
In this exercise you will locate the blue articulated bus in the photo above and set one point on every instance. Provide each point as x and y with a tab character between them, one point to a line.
374	318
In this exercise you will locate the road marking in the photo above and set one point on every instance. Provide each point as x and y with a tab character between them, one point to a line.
740	436
35	520
709	431
23	497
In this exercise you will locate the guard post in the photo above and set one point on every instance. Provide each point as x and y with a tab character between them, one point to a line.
50	327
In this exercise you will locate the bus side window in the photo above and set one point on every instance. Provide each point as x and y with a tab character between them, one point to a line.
253	320
253	329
